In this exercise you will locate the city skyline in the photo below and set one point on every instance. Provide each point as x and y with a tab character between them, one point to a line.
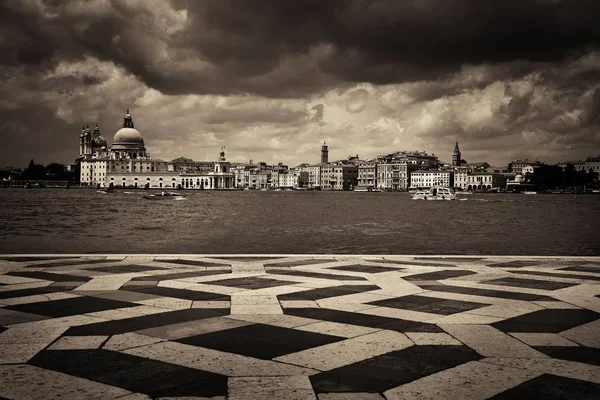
507	81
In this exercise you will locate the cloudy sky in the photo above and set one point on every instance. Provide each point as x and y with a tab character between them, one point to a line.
271	79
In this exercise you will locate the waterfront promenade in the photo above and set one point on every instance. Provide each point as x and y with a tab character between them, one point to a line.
299	327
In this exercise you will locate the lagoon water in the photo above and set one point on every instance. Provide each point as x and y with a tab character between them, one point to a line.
257	222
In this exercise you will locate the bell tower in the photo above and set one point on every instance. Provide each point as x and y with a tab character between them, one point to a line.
324	153
456	156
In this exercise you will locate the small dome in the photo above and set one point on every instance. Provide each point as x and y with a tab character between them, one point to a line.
128	136
99	141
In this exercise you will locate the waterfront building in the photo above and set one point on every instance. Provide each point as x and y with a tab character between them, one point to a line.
590	163
367	174
339	176
314	174
428	178
395	175
127	164
292	180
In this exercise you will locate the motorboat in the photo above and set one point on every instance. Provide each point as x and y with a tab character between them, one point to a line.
367	189
105	191
435	193
529	192
164	196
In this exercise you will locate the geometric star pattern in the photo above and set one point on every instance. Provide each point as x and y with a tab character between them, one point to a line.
299	327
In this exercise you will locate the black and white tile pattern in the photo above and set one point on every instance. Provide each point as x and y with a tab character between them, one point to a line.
299	327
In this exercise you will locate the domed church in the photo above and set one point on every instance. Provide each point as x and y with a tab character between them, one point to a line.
127	163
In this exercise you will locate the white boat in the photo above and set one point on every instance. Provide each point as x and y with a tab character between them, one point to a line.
366	189
164	196
528	192
435	193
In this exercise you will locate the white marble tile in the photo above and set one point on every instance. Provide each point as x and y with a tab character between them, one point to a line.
129	340
490	342
13	280
473	380
298	304
219	362
33	383
167	302
432	339
391	283
334	304
567	369
335	355
20	286
262	309
542	339
505	311
555	305
244	300
284	321
62	322
586	334
337	329
108	282
582	300
400	314
284	388
14	353
78	343
211	304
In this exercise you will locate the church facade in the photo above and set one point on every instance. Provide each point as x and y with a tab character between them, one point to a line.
127	164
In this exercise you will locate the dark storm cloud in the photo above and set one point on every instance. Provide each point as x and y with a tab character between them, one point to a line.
294	48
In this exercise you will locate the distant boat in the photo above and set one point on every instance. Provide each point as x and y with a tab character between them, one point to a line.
529	192
164	196
366	189
105	191
435	193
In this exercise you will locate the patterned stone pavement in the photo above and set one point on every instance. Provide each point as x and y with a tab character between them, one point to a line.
326	328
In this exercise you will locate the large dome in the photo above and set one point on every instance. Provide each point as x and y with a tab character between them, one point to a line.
128	136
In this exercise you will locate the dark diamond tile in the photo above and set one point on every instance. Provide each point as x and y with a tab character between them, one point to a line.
251	283
136	374
368	269
371	321
515	264
309	274
125	268
11	294
384	372
429	304
437	275
181	275
145	322
246	259
177	293
418	263
559	275
549	321
260	341
49	276
582	268
32	258
2	329
529	283
300	263
587	355
72	306
71	263
324	293
439	287
9	317
552	387
196	263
